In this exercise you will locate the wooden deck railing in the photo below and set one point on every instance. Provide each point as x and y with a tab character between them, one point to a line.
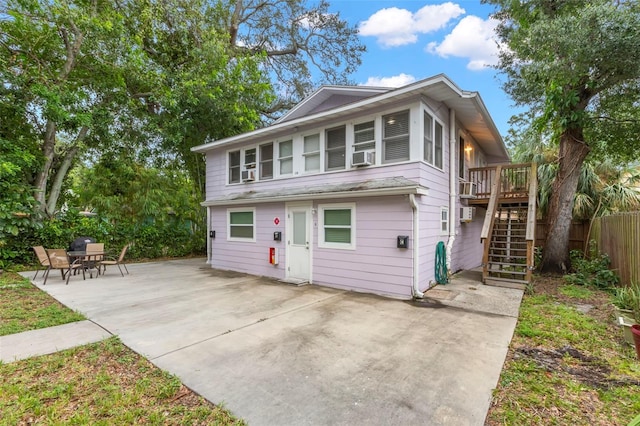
514	179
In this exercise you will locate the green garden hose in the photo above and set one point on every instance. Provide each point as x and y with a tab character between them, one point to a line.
441	264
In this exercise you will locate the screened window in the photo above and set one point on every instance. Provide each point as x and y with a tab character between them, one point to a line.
249	158
337	226
364	136
428	138
335	148
234	166
285	157
444	220
395	137
241	224
266	161
311	153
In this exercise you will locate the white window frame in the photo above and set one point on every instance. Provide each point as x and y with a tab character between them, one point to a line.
434	122
321	237
360	146
291	157
241	210
261	161
445	223
317	153
392	138
239	151
328	152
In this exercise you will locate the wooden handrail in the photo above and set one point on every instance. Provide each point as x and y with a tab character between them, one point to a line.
533	196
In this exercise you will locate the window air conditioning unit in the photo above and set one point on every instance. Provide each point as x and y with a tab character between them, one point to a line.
363	158
466	214
249	175
467	190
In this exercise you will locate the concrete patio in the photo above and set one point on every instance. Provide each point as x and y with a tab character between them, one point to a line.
278	354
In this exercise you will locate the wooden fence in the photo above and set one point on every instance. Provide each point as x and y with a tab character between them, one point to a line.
619	236
577	234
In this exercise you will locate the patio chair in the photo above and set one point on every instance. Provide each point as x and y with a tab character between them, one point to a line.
58	260
115	261
94	255
41	254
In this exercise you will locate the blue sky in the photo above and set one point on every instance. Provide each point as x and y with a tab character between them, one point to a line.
411	40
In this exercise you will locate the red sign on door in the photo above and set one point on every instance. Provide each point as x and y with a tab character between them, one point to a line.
276	221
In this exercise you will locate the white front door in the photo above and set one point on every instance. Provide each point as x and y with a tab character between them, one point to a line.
299	241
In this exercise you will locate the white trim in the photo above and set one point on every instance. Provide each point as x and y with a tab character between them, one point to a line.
241	210
336	206
329	195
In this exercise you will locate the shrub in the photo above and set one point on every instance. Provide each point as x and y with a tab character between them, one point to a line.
592	271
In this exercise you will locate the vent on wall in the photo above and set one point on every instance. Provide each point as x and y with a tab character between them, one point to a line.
466	214
467	190
363	158
249	175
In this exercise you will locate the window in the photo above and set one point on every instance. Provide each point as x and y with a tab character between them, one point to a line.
335	150
428	138
234	166
461	158
311	153
437	159
285	152
444	220
337	226
433	153
250	158
266	161
395	138
364	136
241	224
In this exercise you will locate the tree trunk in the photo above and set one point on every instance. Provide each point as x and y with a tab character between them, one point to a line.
573	151
40	184
56	186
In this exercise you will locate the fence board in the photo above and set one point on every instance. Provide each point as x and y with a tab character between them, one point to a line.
577	234
619	237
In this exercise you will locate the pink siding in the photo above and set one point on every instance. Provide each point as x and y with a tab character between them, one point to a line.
376	265
249	257
467	248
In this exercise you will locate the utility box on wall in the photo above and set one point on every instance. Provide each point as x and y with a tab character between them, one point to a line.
466	214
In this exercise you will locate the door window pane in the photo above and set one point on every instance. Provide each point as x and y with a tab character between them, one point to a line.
299	228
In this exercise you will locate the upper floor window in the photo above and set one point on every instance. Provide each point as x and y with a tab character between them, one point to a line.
336	140
395	137
364	136
250	158
266	161
311	153
234	166
461	156
285	157
433	153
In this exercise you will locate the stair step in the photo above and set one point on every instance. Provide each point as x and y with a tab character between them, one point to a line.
505	282
521	265
509	257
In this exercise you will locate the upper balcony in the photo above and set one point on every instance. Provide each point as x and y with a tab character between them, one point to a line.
513	179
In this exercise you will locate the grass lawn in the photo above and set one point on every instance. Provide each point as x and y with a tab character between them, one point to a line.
568	363
103	383
24	307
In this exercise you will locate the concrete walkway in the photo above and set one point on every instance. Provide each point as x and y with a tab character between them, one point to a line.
274	353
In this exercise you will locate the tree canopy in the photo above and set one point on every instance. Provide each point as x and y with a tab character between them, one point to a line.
576	65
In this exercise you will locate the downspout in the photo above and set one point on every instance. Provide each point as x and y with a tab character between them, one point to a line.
417	294
209	242
453	178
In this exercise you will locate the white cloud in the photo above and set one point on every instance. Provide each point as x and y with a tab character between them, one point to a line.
394	81
472	38
397	27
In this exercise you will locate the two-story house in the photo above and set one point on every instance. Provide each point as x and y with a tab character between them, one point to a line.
355	187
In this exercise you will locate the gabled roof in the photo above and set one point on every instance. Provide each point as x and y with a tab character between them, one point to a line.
343	94
470	111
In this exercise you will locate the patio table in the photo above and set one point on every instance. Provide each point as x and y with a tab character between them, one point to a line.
89	259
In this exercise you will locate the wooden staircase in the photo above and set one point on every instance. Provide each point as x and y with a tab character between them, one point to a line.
509	228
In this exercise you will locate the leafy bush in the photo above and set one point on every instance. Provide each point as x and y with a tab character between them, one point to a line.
149	240
592	271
